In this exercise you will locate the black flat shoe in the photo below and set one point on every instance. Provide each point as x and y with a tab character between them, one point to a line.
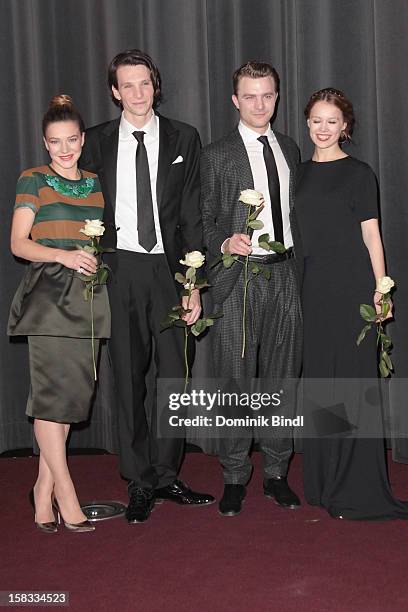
141	503
50	527
279	490
231	501
180	493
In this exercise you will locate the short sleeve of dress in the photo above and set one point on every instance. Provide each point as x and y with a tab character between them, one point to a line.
365	194
27	192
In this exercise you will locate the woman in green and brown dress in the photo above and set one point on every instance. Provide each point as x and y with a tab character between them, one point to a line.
52	203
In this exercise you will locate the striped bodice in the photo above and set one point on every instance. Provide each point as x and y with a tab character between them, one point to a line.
60	205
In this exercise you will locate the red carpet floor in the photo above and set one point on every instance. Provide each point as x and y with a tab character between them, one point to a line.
192	559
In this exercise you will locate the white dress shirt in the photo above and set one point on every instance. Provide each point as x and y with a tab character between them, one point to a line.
126	198
255	149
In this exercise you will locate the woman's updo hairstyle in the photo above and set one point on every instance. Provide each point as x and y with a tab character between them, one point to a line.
61	108
336	97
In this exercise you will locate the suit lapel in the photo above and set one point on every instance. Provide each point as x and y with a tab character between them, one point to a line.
109	152
167	143
239	157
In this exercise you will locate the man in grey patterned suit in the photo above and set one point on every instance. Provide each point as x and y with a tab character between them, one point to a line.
254	157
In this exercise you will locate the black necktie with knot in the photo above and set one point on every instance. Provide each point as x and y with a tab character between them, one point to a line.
145	219
274	188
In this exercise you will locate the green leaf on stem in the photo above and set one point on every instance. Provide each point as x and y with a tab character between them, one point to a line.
263	238
384	371
385	341
102	274
228	260
191	274
180	323
264	245
255	214
385	356
202	284
362	334
277	247
254	268
198	327
209	322
266	273
256	224
385	308
368	312
166	325
180	278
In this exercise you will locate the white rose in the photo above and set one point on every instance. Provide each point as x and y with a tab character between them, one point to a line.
93	228
195	259
251	197
384	284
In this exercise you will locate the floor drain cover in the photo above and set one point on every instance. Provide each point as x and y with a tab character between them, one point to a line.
102	510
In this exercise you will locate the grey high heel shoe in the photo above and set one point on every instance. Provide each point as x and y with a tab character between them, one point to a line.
76	527
50	527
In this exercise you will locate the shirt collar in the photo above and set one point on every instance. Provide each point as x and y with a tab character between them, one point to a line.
249	136
126	129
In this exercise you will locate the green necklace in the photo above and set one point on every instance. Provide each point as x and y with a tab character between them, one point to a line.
71	190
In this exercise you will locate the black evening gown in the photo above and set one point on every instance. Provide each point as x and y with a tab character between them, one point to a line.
345	475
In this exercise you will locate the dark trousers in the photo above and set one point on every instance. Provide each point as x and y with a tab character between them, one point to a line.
141	293
273	353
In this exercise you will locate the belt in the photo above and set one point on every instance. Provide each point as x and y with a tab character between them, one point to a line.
271	258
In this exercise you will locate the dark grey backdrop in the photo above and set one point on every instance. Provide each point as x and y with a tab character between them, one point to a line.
48	47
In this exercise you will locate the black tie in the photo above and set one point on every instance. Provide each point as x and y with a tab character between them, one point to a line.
145	220
274	188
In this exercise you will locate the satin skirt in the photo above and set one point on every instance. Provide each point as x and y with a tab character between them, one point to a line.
50	302
62	378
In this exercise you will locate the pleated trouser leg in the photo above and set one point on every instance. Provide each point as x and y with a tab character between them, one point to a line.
273	352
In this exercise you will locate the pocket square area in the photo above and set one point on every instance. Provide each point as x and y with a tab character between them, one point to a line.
178	160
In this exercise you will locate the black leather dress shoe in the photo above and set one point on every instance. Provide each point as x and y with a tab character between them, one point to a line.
279	490
181	494
334	514
141	502
231	502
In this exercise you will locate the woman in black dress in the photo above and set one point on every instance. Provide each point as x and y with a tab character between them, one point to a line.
336	209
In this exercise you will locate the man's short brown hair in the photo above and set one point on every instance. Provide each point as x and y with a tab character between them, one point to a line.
134	57
254	70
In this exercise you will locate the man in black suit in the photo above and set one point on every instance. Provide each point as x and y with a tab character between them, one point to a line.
254	157
149	171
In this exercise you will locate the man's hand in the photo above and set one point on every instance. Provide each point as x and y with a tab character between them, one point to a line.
238	244
194	305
